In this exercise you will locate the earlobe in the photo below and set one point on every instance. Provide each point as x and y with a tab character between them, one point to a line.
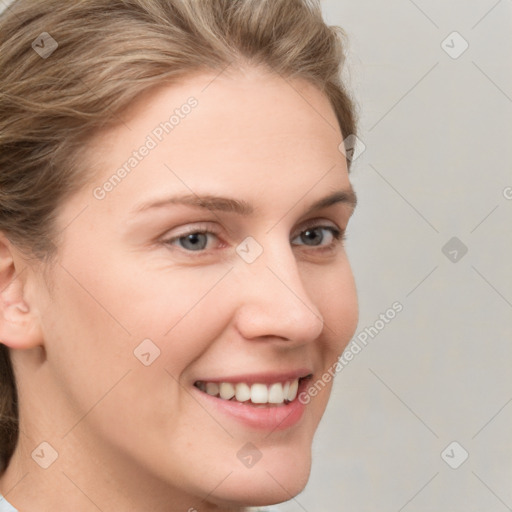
19	326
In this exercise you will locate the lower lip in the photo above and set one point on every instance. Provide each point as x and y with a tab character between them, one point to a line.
271	418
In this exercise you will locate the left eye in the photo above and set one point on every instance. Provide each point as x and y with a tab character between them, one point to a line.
315	236
197	241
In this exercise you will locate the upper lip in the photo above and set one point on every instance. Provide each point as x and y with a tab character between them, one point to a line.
261	378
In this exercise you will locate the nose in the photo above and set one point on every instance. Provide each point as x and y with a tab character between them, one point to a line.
272	300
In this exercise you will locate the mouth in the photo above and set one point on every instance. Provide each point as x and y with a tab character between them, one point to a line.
266	402
257	394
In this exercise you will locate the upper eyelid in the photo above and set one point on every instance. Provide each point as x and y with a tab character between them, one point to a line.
319	223
339	237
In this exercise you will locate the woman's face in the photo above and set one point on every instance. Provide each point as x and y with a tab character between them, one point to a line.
203	268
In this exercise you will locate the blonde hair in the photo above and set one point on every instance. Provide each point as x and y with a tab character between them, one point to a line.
109	53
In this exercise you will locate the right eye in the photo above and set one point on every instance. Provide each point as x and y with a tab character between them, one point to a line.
194	240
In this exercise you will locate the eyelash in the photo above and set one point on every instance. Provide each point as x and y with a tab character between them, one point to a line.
339	237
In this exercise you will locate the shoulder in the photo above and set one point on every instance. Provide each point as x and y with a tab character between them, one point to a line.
5	506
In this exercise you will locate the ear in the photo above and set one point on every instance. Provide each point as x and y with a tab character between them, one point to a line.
19	325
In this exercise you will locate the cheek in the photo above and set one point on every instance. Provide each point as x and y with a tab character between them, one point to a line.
180	310
334	294
101	309
93	326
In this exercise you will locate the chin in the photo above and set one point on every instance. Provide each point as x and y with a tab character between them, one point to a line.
276	478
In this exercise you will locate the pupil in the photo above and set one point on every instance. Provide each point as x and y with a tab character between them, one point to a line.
195	241
313	236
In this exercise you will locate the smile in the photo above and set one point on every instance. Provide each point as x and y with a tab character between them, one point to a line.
276	393
264	401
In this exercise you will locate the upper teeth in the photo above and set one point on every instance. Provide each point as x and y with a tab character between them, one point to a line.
257	393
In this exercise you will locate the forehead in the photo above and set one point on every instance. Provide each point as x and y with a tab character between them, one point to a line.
251	130
236	104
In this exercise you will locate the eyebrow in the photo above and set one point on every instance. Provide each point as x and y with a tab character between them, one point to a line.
240	207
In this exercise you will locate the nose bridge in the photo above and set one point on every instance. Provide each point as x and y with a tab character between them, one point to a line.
275	301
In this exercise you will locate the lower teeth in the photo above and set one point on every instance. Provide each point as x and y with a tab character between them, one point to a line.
248	402
266	404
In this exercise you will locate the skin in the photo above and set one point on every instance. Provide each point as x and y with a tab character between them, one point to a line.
131	437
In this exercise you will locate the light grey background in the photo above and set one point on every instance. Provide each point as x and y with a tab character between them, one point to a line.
438	137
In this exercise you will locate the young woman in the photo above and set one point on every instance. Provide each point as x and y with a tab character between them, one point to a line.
173	198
